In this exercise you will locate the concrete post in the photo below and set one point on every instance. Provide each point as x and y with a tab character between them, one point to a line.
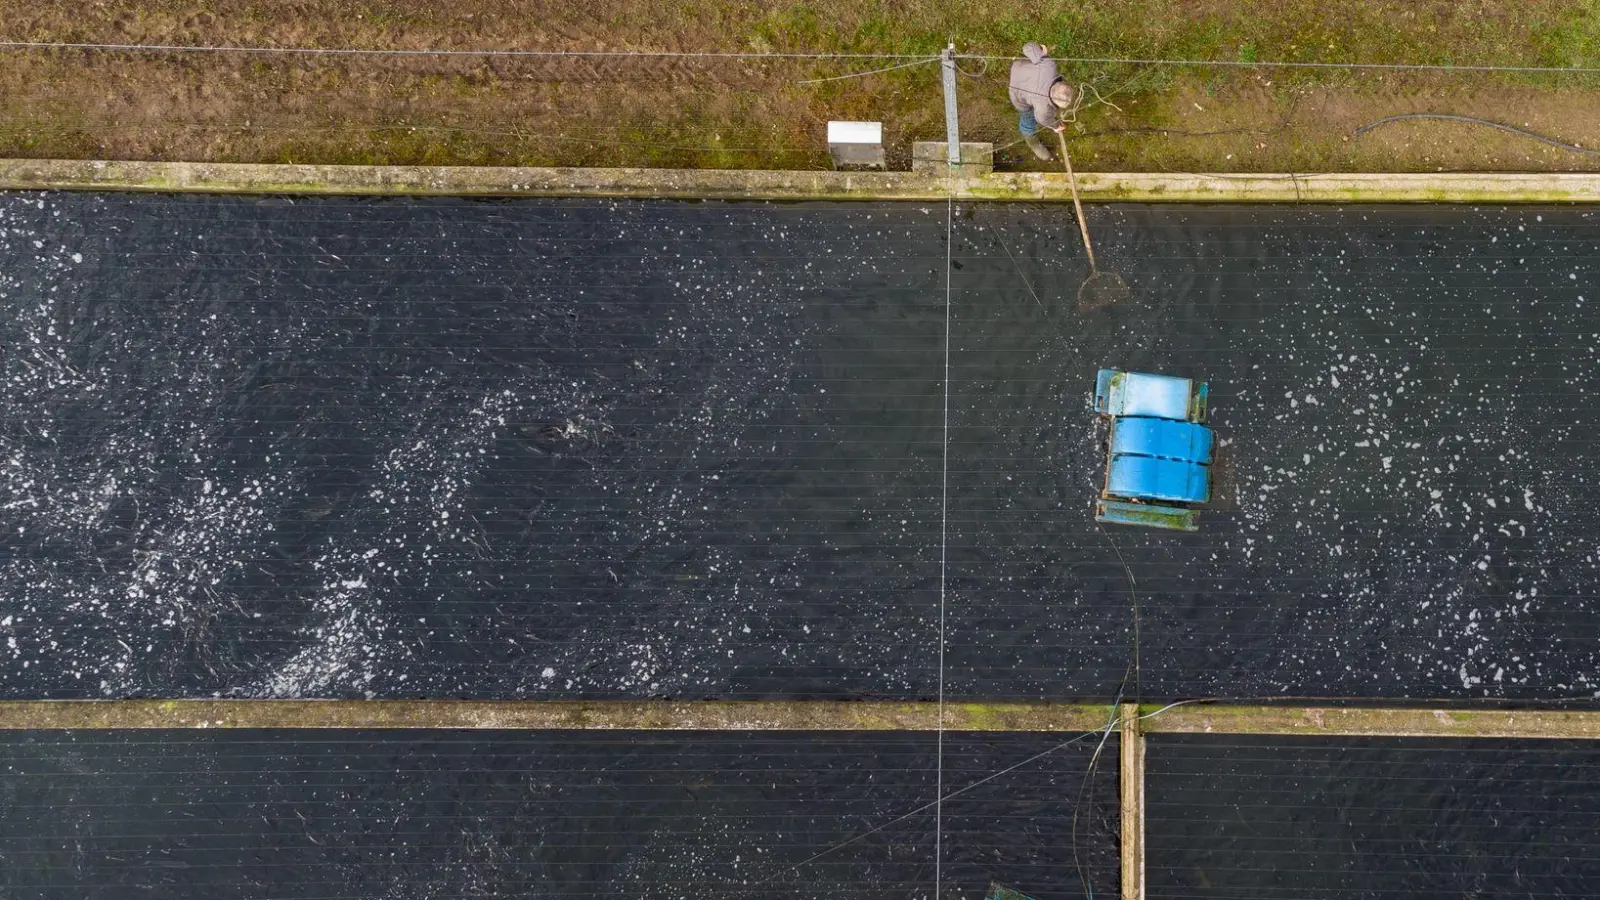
952	123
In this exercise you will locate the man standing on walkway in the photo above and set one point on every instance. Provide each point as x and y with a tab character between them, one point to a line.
1037	92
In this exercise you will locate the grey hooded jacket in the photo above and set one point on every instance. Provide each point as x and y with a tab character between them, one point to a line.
1030	84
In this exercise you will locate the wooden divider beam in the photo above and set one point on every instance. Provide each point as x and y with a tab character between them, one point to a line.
1130	783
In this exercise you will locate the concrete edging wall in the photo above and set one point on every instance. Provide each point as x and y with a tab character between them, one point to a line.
783	715
252	178
554	715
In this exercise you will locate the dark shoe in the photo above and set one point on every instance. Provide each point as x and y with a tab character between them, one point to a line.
1038	147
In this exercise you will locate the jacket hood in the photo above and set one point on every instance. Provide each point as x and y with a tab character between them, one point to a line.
1033	51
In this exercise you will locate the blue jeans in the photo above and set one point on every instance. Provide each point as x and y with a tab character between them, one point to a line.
1027	124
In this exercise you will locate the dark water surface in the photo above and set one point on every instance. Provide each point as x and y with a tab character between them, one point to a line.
256	447
1253	817
542	815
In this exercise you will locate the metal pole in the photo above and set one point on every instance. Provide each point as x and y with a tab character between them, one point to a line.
952	123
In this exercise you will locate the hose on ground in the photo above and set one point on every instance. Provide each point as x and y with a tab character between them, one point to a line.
1474	120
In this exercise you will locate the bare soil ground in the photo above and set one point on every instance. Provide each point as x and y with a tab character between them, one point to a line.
729	113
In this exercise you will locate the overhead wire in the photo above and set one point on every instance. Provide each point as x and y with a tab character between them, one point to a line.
949	259
88	837
511	780
490	52
360	126
1104	734
674	54
944	534
1084	89
1288	64
1089	772
914	60
948	796
918	62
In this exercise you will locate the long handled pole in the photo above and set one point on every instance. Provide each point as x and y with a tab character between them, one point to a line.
1072	181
